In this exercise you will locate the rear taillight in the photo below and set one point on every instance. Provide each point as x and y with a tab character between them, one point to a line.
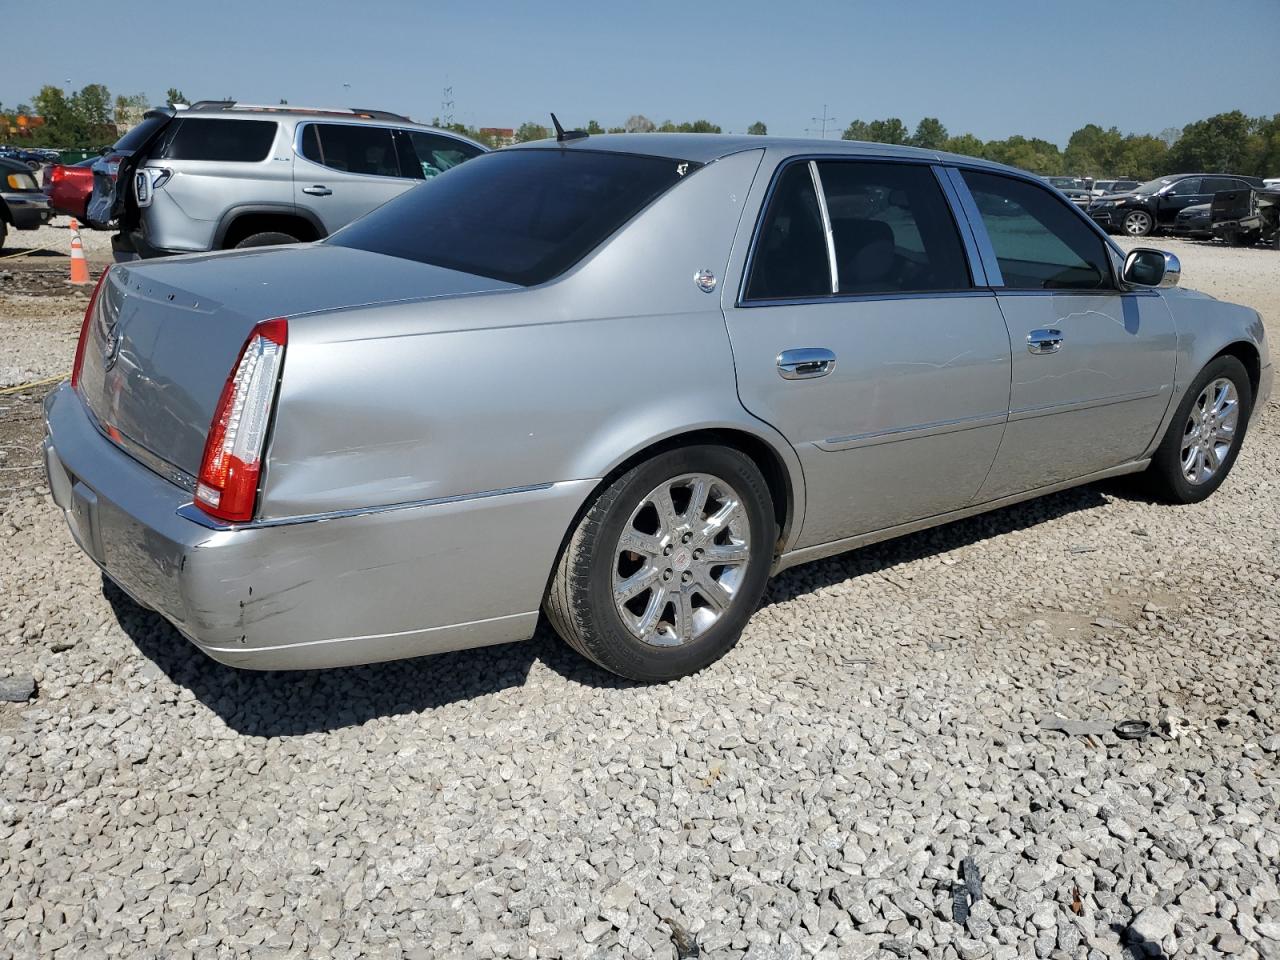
232	465
84	329
57	174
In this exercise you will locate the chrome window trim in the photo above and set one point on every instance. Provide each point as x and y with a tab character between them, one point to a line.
833	270
741	301
189	511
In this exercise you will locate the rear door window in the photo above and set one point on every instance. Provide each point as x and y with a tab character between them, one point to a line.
892	229
1185	188
243	141
790	259
1040	241
352	148
431	154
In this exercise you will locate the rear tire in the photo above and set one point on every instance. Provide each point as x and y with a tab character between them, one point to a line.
719	507
268	238
1197	425
1137	223
4	229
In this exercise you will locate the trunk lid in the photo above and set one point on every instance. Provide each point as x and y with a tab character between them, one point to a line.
164	335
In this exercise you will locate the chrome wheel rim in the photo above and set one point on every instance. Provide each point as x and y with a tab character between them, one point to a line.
681	559
1136	223
1210	431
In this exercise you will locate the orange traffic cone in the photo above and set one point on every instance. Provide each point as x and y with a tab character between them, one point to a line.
79	265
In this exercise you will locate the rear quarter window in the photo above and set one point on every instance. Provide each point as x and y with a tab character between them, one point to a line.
230	141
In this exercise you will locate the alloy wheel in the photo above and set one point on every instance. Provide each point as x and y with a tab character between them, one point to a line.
1210	430
1137	224
680	559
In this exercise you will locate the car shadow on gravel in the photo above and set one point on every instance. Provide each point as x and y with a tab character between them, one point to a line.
292	703
296	702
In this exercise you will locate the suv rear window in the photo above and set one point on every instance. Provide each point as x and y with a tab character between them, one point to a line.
520	216
243	141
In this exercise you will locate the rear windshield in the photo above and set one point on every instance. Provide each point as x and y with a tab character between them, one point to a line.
140	134
520	216
245	141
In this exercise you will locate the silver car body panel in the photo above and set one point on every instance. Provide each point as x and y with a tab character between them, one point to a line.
437	433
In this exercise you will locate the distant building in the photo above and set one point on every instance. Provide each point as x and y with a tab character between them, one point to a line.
128	116
19	125
499	136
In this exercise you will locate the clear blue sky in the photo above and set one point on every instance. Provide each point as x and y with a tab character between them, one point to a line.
990	67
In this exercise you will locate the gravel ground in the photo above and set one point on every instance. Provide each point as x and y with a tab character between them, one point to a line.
813	794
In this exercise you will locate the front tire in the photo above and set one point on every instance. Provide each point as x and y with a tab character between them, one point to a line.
1204	437
1138	223
667	565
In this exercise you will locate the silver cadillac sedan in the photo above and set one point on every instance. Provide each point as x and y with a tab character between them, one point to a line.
620	380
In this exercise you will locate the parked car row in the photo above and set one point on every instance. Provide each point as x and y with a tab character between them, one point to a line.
1155	205
220	174
618	379
33	157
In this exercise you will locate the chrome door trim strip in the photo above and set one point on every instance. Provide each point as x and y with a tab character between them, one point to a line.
822	550
986	252
976	270
870	297
1048	410
189	511
826	226
918	431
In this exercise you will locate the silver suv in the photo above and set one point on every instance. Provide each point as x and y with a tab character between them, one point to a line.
219	174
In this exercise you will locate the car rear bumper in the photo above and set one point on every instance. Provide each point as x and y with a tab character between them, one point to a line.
323	592
27	210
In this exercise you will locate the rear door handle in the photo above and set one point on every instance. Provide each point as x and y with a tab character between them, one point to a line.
804	363
1044	341
319	190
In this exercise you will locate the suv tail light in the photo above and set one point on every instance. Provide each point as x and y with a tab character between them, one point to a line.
227	487
84	329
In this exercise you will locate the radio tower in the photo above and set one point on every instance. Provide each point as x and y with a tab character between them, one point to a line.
446	104
823	120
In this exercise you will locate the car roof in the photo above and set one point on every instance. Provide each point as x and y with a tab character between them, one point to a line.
231	110
707	147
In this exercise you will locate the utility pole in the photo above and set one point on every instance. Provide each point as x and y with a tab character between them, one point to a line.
446	104
823	120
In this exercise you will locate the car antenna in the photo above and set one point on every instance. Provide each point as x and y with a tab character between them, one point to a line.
562	135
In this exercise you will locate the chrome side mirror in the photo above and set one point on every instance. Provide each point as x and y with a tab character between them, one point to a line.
1147	267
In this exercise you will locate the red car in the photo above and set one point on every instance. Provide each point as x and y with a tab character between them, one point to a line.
68	187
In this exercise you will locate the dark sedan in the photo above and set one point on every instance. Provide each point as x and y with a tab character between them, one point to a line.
1155	205
22	205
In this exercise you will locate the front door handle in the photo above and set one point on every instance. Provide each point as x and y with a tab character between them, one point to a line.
805	363
319	190
1044	341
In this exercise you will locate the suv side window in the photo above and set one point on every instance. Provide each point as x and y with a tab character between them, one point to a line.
352	148
433	154
892	229
232	141
1185	188
790	257
1039	241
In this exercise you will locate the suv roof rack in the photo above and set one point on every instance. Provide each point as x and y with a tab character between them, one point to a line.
210	106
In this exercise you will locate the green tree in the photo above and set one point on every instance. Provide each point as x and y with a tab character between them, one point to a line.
531	131
593	128
930	134
891	130
174	95
1213	145
1142	156
699	126
63	124
1262	155
758	129
617	130
857	130
966	145
1092	151
1033	154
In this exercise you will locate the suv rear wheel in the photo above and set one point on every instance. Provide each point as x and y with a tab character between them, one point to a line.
268	238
